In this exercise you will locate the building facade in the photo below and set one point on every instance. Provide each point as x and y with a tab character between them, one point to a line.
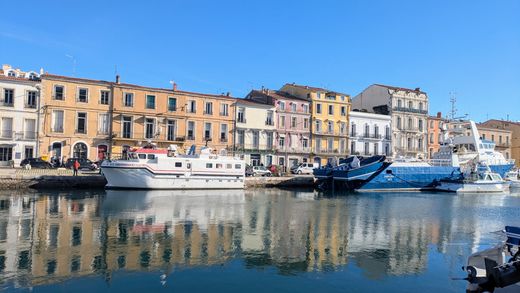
19	104
329	121
409	111
292	121
75	117
514	141
500	136
436	128
370	134
255	132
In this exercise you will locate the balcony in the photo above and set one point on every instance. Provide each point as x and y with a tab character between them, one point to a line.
223	139
269	123
288	149
370	136
27	135
6	134
30	106
409	129
224	113
327	151
241	120
172	109
208	112
503	145
7	104
57	129
410	110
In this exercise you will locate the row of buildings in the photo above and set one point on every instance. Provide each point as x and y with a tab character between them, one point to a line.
51	115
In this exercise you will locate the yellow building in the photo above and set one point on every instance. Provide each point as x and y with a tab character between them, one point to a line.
330	120
75	117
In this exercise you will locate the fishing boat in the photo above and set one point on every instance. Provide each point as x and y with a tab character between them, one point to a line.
357	172
152	168
323	175
496	269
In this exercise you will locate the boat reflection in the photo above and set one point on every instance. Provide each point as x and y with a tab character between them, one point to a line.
49	237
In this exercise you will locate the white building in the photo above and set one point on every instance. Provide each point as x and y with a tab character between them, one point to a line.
409	111
370	134
19	104
255	132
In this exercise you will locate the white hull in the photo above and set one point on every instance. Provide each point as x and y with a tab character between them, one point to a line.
473	187
143	179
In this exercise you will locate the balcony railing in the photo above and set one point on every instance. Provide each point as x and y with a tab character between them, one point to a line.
57	129
410	110
208	112
28	135
503	144
370	136
224	113
7	104
241	120
223	139
30	106
269	122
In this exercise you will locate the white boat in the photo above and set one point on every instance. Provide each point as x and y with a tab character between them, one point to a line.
513	177
485	182
463	143
150	168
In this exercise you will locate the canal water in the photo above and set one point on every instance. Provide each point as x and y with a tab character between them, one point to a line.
264	240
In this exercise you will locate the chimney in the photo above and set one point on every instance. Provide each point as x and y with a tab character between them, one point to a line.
228	94
417	89
118	78
439	115
174	86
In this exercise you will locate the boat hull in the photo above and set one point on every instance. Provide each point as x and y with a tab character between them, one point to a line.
142	178
461	187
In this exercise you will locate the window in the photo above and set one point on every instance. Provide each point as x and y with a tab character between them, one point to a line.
219	166
269	118
305	123
6	154
318	145
342	128
142	156
82	95
207	130
192	106
399	123
318	108
224	109
127	127
282	121
171	129
410	123
353	130
293	122
191	130
256	139
241	137
420	143
238	166
281	141
409	143
269	140
149	127
331	109
352	147
103	99
80	151
172	104
57	121
208	108
410	105
28	152
330	144
178	164
330	127
420	106
103	123
81	122
376	131
150	102
293	107
342	145
318	126
151	156
367	130
7	127
343	111
399	104
282	106
367	148
8	97
492	137
241	115
376	149
305	108
305	142
387	149
59	92
223	132
431	137
31	99
420	125
209	165
128	100
318	95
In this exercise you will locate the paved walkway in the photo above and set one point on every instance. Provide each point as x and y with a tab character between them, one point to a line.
7	172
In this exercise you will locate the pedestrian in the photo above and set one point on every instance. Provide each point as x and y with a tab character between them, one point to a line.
75	166
58	163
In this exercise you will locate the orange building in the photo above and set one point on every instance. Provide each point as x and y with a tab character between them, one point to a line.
436	126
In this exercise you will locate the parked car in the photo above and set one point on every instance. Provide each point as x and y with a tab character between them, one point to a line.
36	163
261	171
303	168
83	164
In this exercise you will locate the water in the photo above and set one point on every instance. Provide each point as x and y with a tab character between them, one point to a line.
234	241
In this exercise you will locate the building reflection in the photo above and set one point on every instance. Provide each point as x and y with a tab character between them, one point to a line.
47	238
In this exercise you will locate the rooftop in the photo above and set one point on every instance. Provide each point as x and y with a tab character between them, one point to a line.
274	94
416	90
315	89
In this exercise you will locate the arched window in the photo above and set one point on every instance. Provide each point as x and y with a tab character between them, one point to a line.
410	105
376	131
80	151
102	151
399	103
367	130
387	132
410	123
420	125
420	106
399	123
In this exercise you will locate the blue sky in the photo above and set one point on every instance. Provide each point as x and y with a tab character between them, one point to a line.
468	47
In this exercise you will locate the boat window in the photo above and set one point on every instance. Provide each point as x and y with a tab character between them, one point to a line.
151	157
218	166
496	177
209	165
237	166
188	165
480	146
142	156
132	156
229	166
178	164
472	147
488	177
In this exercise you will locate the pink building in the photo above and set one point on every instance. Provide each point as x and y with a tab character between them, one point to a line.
293	118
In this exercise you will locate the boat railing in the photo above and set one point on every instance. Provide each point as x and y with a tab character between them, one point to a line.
440	162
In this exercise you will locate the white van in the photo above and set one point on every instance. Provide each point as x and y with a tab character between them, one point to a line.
304	168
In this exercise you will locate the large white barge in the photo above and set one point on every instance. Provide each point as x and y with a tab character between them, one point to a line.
149	168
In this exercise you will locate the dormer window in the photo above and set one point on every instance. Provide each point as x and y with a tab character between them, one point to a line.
11	73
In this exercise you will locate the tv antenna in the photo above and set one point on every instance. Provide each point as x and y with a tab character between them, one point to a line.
453	101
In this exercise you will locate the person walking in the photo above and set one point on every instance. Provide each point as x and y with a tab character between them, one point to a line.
75	166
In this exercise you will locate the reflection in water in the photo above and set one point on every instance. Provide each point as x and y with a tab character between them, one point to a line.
48	238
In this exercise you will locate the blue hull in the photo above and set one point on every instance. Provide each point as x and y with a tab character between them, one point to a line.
362	173
399	178
500	169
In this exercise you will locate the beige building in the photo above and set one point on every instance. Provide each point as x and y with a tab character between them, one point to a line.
514	127
75	117
500	136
